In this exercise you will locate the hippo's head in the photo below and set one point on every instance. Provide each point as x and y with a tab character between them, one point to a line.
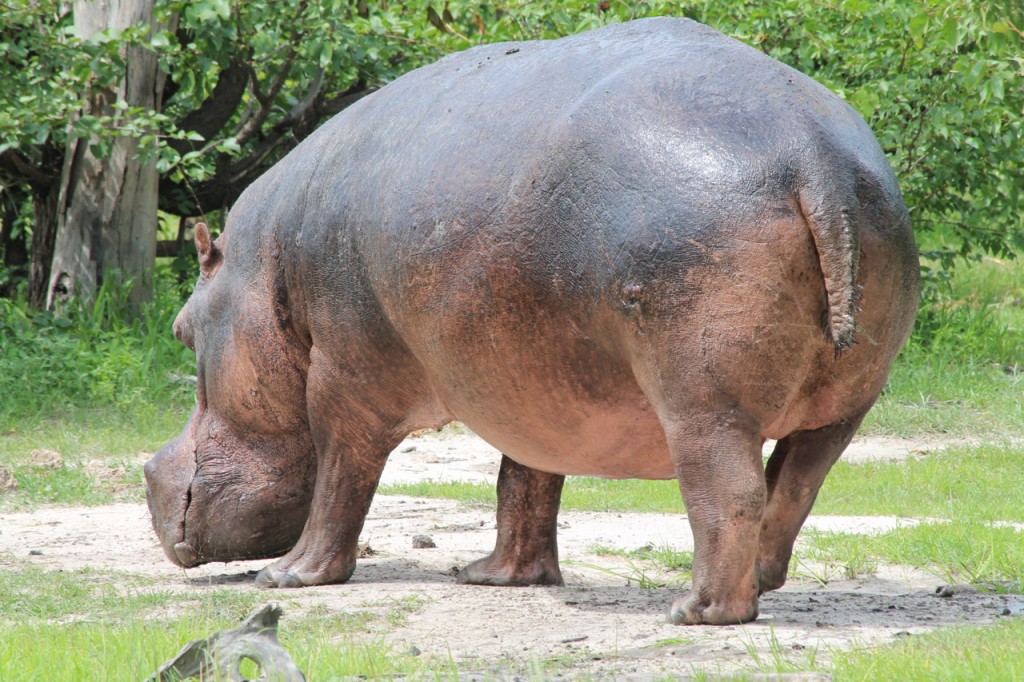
238	481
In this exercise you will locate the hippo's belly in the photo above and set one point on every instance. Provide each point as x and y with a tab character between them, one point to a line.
561	434
543	389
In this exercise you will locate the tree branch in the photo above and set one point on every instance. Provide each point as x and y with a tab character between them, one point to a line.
266	100
302	106
345	98
216	110
22	170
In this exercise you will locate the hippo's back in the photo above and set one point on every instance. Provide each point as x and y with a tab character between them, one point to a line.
607	138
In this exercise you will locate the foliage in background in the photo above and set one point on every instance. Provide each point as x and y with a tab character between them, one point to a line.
940	83
94	357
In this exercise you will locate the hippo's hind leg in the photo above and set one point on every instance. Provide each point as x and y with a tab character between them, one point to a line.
353	433
526	551
794	474
717	457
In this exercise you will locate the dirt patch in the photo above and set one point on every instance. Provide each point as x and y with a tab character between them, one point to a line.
601	624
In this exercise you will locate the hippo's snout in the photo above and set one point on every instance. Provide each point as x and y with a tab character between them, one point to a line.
169	476
227	498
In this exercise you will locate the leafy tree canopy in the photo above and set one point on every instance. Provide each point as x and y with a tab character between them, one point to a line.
939	82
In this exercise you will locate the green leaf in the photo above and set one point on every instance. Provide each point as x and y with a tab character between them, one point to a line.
951	32
974	74
865	101
42	133
230	145
917	27
325	55
222	8
160	40
995	87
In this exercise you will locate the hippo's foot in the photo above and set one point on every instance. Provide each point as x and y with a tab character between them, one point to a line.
299	572
691	610
493	570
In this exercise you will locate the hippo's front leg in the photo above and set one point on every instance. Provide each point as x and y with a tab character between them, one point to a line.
353	435
526	551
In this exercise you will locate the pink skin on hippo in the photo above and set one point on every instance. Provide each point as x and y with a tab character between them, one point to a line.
635	252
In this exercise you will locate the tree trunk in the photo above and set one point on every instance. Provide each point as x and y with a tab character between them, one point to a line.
44	234
107	209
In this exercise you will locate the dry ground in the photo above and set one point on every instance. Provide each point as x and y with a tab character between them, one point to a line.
601	624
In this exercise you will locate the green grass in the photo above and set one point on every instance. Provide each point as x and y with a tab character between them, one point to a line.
93	386
955	483
91	484
958	482
92	433
580	494
101	449
963	371
95	357
649	567
965	654
934	391
960	551
92	625
135	645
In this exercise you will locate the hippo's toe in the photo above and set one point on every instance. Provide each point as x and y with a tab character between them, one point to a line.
267	577
187	556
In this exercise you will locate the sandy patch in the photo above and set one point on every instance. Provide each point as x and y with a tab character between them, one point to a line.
602	623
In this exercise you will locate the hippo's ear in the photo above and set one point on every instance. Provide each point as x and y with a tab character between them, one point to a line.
210	256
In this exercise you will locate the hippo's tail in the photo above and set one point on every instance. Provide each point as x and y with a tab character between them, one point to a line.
832	215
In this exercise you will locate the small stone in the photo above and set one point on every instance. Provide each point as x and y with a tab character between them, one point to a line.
35	552
422	542
414	651
578	638
1005	612
410	448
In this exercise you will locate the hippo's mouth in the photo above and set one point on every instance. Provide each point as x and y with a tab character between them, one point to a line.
185	554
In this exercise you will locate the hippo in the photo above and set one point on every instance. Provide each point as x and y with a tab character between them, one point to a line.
636	252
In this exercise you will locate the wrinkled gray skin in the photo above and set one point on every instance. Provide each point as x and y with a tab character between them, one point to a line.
636	252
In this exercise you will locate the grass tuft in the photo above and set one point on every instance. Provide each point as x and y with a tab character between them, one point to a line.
993	652
983	554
